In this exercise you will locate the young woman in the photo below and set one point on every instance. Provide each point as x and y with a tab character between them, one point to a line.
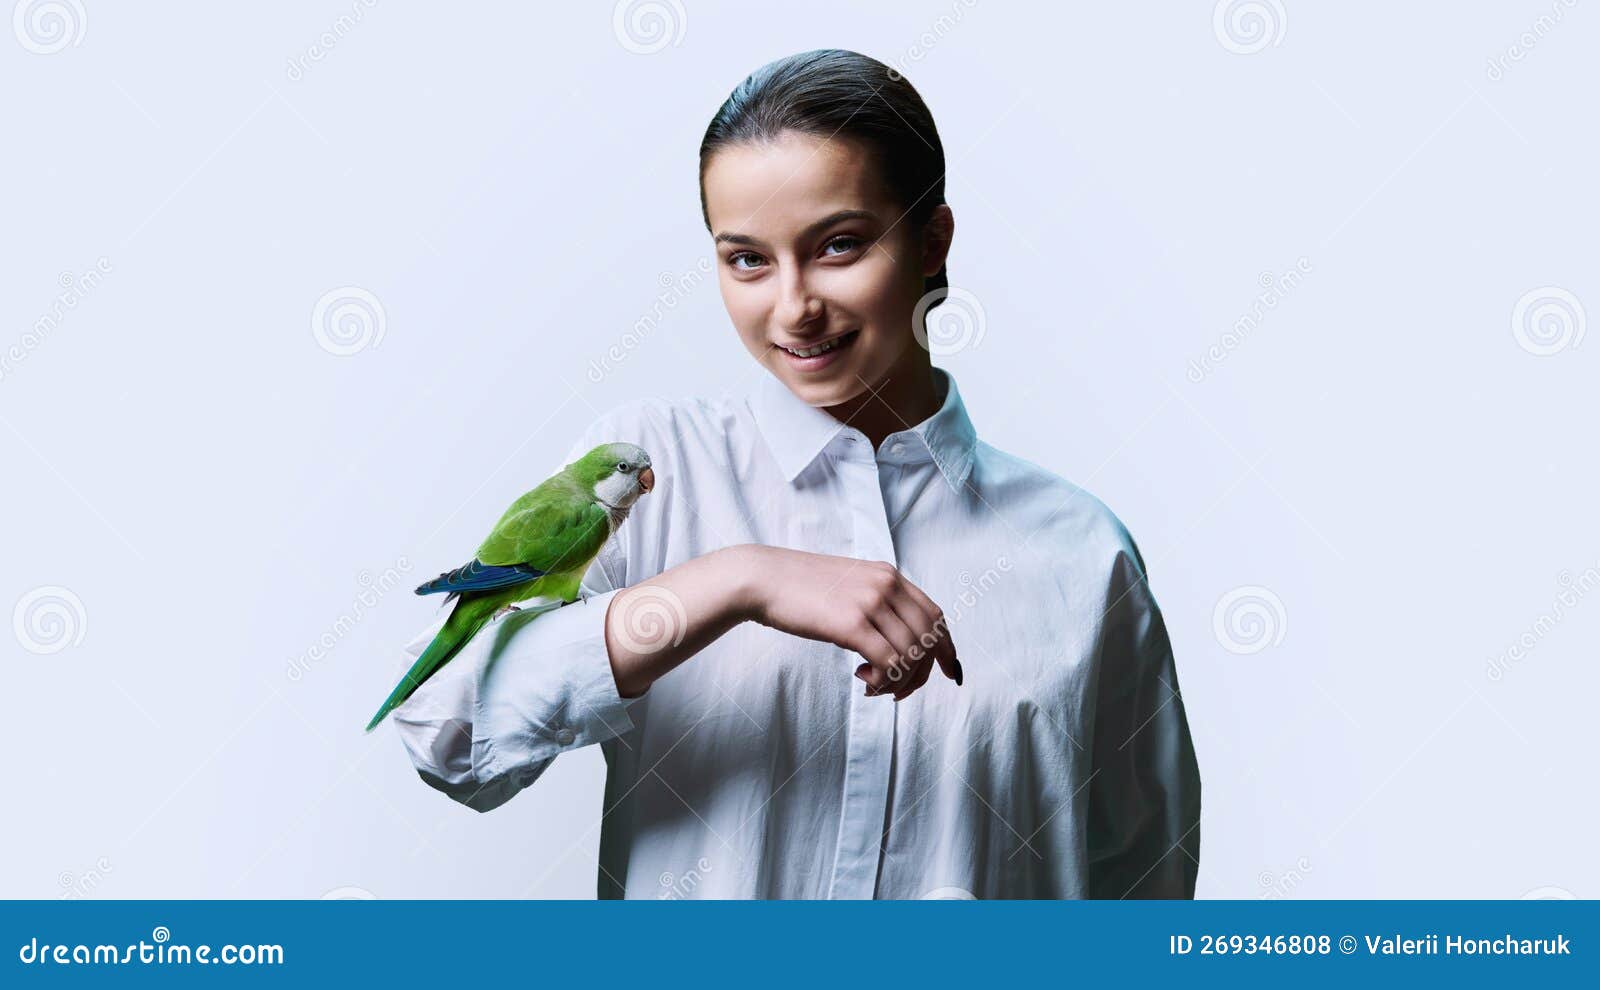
839	517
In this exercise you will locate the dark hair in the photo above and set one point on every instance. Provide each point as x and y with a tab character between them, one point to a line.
830	92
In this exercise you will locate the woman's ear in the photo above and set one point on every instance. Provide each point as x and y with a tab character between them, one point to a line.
936	238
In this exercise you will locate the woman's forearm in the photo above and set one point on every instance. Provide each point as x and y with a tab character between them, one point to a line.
653	626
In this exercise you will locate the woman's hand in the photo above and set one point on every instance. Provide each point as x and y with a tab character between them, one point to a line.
865	606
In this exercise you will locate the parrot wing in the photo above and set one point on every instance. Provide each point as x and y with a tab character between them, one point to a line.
475	575
554	534
550	530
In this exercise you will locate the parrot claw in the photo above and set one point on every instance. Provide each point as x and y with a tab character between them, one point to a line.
506	608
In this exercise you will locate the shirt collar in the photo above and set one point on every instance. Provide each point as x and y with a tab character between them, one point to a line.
797	432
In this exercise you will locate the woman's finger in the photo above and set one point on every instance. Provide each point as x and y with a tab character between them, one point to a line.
901	623
863	637
944	648
917	680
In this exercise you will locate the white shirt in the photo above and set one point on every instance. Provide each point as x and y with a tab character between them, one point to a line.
1061	768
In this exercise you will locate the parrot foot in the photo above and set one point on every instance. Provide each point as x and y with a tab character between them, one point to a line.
506	608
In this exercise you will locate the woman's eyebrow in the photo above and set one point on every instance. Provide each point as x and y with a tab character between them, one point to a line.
823	224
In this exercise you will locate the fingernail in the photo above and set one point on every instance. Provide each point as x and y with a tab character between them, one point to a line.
958	672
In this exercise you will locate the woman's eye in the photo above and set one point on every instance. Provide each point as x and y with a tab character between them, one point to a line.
734	261
849	243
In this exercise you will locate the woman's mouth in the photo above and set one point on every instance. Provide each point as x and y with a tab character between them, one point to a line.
821	355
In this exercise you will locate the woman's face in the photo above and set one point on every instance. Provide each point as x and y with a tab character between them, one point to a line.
812	251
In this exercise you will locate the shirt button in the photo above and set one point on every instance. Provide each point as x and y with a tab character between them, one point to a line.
565	737
897	447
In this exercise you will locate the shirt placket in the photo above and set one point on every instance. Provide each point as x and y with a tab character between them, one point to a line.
870	744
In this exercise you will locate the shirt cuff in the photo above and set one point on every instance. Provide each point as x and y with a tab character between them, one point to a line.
546	686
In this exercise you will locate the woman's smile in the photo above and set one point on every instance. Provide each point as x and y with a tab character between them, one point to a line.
815	357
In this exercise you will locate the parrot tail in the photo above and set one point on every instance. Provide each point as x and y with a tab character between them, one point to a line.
468	617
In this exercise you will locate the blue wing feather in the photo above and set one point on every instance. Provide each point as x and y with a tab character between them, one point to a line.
478	576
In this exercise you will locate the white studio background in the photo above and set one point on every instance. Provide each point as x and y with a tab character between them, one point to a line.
342	279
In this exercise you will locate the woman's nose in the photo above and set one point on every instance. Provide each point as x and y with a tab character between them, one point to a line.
798	307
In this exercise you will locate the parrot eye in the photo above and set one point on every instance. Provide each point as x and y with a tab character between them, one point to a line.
623	467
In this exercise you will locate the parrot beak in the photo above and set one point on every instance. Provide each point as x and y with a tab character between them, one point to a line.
647	479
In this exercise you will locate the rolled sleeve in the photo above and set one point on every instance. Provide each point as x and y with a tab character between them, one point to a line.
520	693
547	687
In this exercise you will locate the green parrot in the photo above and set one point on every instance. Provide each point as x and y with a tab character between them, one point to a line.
540	548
